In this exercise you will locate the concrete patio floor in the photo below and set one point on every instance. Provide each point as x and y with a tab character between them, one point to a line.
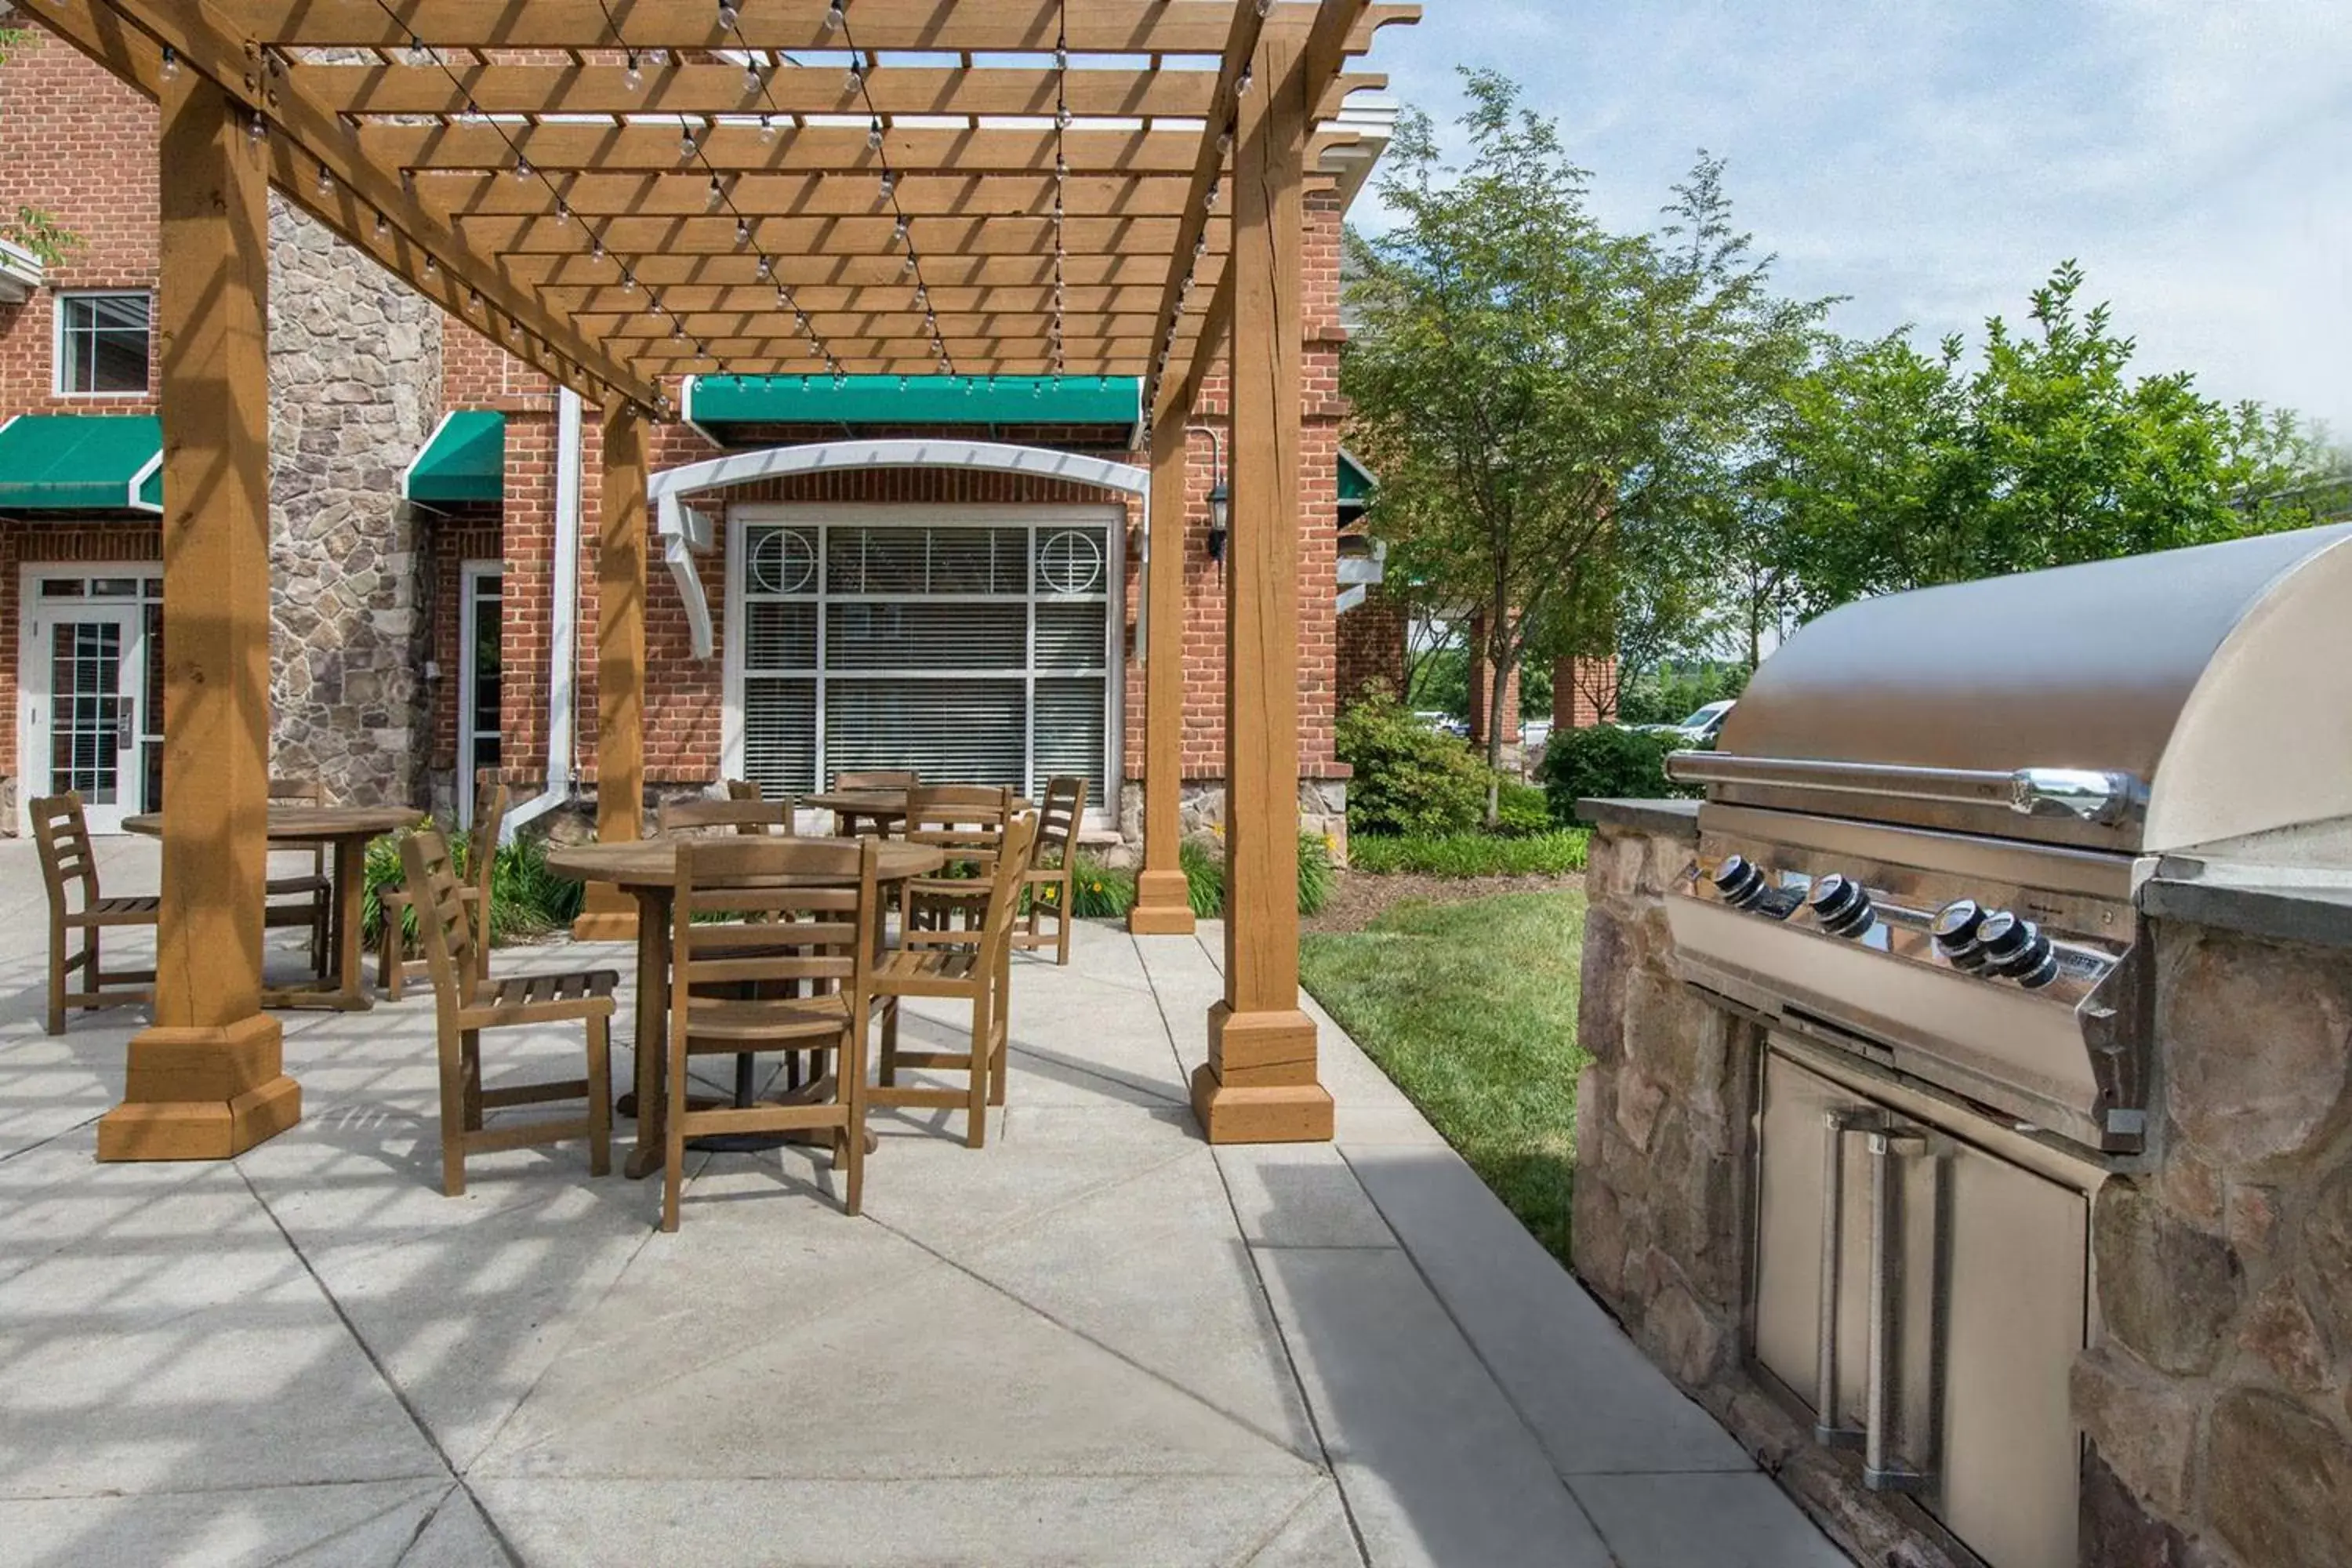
1095	1340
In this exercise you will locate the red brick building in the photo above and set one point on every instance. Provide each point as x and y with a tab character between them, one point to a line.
974	621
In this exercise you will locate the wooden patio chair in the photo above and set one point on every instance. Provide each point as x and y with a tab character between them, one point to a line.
296	898
394	963
966	822
972	965
1049	884
726	973
62	834
466	1002
852	825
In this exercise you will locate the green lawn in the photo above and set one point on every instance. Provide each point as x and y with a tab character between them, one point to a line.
1471	1008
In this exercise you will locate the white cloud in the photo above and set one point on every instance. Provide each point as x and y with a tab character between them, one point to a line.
1935	162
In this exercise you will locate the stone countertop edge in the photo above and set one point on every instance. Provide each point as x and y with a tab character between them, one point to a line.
1676	817
2317	916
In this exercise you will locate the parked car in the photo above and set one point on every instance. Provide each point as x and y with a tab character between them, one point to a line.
1442	723
1535	732
1698	730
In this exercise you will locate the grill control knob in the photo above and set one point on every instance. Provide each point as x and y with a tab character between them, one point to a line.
1956	933
2015	947
1841	906
1740	883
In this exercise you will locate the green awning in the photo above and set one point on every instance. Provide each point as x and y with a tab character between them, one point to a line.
466	460
1355	482
81	462
985	400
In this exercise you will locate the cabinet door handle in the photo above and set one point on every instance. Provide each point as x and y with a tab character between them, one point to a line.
1829	1427
1885	1468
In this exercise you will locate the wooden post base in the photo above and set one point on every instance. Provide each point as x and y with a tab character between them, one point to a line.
1164	905
1259	1085
606	914
202	1093
1301	1113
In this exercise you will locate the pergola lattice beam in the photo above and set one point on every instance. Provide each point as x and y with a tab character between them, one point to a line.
943	27
602	87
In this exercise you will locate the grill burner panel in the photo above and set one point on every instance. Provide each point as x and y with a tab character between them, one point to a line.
1999	973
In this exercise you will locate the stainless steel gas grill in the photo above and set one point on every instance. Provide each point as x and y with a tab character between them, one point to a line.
1918	853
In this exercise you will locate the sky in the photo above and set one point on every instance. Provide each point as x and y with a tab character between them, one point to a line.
1934	161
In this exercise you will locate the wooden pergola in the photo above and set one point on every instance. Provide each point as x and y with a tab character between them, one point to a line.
622	192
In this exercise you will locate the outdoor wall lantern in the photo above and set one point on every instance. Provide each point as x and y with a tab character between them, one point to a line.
1220	500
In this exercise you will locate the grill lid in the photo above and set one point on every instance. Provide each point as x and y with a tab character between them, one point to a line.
2153	703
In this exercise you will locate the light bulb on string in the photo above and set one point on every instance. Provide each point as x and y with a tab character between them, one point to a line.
910	263
1241	82
171	63
523	168
751	78
326	180
767	128
634	74
855	81
418	55
628	283
718	194
685	144
382	226
729	15
562	213
898	231
832	16
890	184
257	127
873	135
765	269
742	231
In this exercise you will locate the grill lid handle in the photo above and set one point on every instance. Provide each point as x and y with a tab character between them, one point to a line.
2084	793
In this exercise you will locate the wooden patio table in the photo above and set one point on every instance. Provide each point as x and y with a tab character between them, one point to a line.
647	868
347	830
884	807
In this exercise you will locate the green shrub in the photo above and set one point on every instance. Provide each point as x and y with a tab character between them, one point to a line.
1671	693
1523	808
1098	891
1557	853
1315	877
1407	779
1605	762
527	899
1204	876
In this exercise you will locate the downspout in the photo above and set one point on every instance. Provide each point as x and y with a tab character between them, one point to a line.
563	643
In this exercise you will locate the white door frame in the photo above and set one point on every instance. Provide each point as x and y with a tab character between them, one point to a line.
1111	515
33	674
469	572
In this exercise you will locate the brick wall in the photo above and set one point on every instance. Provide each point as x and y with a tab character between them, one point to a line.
1583	693
79	145
1371	647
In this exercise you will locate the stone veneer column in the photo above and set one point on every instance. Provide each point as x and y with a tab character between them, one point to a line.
354	392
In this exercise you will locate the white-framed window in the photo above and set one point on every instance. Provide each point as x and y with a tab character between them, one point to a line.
101	344
478	663
973	645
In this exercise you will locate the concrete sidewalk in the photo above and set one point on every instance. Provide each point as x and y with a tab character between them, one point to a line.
1097	1340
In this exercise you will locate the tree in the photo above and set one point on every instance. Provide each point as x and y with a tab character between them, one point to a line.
1895	469
1531	387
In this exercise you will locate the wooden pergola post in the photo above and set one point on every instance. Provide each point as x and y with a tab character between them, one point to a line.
620	661
1259	1083
1164	905
206	1082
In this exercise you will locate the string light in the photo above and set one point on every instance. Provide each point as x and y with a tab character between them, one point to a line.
718	194
634	74
1061	173
835	14
326	180
171	63
729	15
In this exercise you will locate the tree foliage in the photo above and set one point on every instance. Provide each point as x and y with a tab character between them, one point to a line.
1547	402
1894	468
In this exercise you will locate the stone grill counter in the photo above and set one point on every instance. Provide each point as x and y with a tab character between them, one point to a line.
2214	1398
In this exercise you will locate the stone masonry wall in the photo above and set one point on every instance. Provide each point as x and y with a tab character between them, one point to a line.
354	376
2217	1395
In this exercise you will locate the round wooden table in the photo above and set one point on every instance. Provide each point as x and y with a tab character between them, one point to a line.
881	806
349	829
647	870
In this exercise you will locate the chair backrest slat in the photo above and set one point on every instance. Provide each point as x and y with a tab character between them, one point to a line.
965	821
805	911
62	834
285	791
1057	820
443	928
1004	890
482	838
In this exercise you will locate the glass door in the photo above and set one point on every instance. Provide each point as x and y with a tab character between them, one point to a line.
88	668
479	693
